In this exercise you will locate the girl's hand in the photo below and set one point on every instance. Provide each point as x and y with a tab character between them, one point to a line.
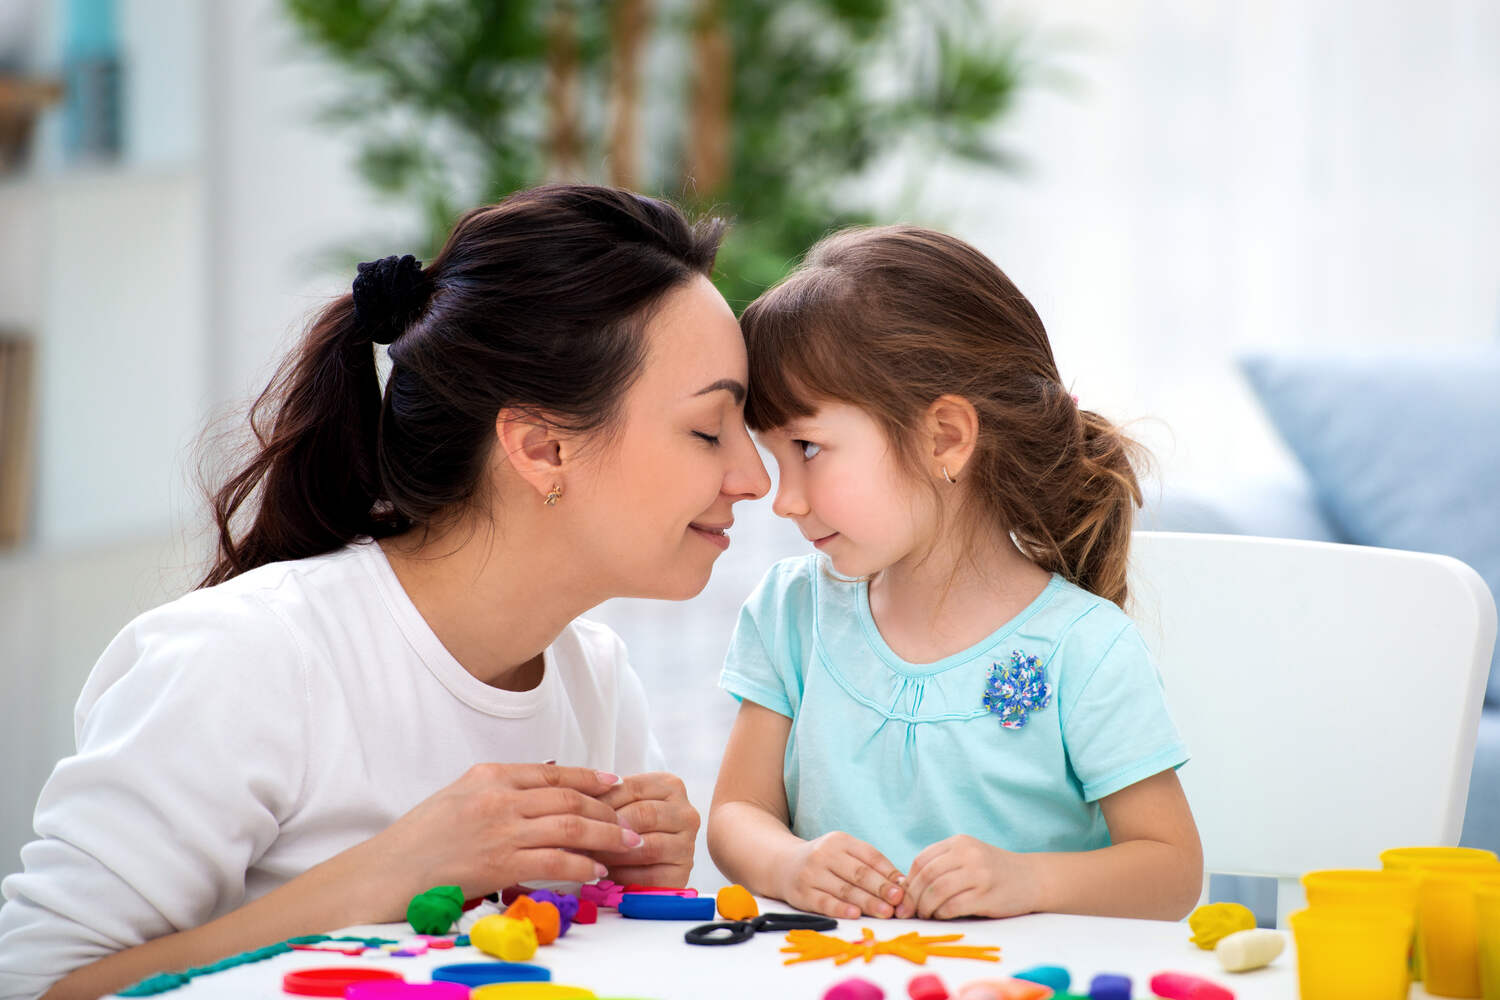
841	876
656	806
497	825
963	877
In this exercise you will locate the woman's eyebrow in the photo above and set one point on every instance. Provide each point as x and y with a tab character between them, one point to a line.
729	385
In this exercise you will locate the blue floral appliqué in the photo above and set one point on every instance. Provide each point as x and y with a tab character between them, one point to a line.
1017	689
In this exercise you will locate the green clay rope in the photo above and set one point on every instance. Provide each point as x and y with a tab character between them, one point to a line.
164	982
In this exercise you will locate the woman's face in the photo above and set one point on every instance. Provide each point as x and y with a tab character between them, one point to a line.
659	494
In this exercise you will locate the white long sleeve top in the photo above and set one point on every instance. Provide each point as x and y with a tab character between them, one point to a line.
234	738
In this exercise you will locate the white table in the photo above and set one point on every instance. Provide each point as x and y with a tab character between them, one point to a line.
617	957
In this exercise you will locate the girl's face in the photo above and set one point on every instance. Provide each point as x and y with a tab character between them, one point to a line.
658	500
839	480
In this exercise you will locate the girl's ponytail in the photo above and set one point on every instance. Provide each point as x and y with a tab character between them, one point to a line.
1082	530
317	427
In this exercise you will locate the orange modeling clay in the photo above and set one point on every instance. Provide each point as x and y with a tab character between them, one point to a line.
811	946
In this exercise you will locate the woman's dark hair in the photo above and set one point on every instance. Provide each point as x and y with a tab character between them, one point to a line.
889	319
537	302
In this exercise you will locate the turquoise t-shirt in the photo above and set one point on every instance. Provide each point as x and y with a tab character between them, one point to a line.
902	755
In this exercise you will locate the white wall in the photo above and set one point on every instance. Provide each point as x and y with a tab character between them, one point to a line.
1226	177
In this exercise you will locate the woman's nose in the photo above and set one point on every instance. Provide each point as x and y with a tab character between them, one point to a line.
747	478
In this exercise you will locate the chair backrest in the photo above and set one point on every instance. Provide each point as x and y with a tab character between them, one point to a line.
1329	694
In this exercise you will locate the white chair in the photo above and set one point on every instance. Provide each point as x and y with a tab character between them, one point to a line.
1329	695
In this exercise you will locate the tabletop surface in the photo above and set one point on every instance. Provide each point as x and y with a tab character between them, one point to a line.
619	957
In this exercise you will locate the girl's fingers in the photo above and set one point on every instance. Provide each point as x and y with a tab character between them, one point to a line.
881	893
940	890
828	904
964	903
919	883
854	895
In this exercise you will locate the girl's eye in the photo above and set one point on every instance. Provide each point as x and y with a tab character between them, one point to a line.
712	439
808	448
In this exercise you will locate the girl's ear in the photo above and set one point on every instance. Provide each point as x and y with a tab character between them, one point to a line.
952	425
535	448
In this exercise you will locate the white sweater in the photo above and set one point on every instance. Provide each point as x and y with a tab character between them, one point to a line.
234	738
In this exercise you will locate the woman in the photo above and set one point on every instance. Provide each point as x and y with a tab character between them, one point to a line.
366	696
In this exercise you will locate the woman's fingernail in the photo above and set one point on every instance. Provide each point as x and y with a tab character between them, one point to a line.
607	778
631	838
599	870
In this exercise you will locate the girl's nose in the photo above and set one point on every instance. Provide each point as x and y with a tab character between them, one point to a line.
789	500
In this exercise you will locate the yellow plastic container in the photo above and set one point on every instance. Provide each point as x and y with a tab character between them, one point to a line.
1428	859
1487	910
1447	912
1362	887
530	991
1352	953
1402	858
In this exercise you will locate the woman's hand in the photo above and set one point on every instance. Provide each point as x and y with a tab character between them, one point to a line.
655	806
963	877
841	876
497	825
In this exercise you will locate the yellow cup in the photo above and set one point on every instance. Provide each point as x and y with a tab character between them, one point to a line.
1421	860
1447	911
1487	910
1402	858
529	991
1352	953
1362	887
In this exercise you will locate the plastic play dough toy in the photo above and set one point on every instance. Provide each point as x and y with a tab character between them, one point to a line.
736	903
1212	923
1252	949
508	938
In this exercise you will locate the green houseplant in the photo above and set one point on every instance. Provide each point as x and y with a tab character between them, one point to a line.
766	112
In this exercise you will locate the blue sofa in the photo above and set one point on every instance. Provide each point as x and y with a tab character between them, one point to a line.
1400	452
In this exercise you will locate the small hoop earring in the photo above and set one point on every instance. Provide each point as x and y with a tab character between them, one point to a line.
951	480
553	496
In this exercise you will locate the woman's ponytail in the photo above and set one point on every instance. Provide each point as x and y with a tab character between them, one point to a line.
316	425
537	302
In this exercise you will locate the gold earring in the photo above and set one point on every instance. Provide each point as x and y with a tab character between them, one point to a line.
951	480
553	496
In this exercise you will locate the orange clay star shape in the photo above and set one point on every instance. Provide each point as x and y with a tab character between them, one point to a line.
810	946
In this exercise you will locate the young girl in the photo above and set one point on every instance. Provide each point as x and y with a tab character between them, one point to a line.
944	711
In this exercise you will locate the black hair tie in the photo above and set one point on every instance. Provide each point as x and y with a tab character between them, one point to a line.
388	294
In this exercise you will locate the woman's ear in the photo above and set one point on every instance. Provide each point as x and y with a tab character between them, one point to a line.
533	447
952	425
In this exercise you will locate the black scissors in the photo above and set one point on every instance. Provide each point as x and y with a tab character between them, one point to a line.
736	931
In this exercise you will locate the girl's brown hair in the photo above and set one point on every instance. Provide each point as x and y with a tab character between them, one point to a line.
536	302
889	319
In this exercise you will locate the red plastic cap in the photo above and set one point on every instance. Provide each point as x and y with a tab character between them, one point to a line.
330	982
